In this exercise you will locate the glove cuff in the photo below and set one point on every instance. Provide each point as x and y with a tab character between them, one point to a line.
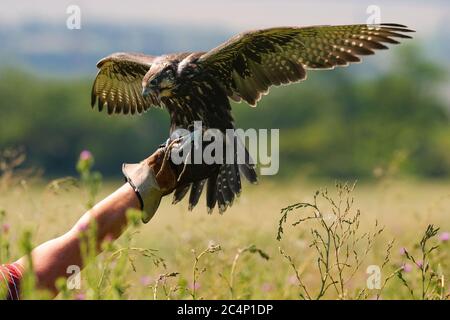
142	179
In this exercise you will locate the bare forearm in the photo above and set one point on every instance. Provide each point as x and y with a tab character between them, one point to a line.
51	259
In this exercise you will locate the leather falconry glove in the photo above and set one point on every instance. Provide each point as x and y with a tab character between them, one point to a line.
158	176
151	179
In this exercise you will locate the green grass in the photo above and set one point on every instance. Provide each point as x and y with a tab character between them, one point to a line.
186	255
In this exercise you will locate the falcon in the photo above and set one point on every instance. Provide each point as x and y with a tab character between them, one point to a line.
198	86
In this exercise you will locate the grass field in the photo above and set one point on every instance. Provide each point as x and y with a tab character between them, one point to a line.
237	255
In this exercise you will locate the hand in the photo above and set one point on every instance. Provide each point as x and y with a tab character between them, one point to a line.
151	179
158	176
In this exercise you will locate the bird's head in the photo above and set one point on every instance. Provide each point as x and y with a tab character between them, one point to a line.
160	80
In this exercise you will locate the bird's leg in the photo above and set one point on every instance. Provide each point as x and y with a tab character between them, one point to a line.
174	142
168	147
194	136
165	144
186	142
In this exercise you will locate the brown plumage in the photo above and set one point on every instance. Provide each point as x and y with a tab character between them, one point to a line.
196	86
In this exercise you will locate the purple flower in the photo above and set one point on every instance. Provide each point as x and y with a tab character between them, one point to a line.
83	225
85	155
108	238
419	264
292	280
196	286
444	236
266	287
5	228
146	280
402	251
80	296
407	267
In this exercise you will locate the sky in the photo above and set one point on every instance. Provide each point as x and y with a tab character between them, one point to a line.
425	16
157	27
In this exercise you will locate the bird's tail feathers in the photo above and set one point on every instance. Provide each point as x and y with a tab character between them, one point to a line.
224	186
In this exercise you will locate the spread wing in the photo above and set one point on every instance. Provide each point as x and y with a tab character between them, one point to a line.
118	85
249	63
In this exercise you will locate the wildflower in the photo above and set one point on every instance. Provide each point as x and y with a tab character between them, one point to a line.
146	280
419	264
85	162
5	228
266	287
196	286
80	296
83	226
107	243
85	155
444	236
402	251
113	265
292	280
407	267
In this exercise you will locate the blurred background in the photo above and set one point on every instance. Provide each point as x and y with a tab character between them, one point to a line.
388	114
385	123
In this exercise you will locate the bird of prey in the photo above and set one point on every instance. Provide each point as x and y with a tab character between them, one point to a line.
197	86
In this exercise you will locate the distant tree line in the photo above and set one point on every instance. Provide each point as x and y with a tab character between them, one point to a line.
336	124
